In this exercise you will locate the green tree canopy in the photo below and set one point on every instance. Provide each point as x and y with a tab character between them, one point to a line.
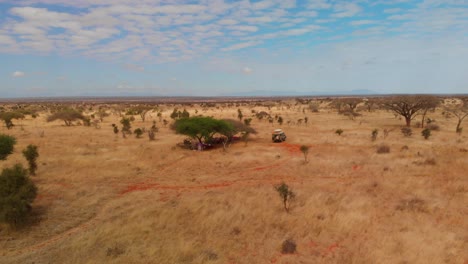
202	128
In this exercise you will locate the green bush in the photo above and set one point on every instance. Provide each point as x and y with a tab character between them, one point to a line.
31	155
426	133
17	192
7	144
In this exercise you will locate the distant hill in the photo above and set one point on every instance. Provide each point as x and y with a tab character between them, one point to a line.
264	93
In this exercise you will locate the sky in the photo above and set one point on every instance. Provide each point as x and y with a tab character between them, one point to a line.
52	48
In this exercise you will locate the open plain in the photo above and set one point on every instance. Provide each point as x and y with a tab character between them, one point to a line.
103	198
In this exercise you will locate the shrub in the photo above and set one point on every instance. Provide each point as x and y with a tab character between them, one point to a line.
17	192
151	135
288	247
31	155
339	132
286	195
116	129
381	149
433	127
138	132
7	144
406	131
126	125
374	134
426	133
247	121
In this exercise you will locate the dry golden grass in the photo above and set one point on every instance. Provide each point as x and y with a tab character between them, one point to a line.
103	198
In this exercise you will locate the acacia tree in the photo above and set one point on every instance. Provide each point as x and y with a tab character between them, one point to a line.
202	128
7	117
67	115
460	111
410	106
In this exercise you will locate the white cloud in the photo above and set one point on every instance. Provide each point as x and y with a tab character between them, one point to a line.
247	70
18	74
241	45
362	22
346	9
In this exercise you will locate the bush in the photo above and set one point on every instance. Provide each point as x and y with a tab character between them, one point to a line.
406	131
433	127
138	132
31	155
7	144
17	192
374	134
339	132
381	149
426	133
126	125
288	247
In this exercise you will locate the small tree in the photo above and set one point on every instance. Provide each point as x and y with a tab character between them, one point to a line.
280	120
460	111
286	195
31	154
305	150
17	192
239	114
7	144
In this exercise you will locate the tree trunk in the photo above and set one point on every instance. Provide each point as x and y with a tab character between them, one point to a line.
423	118
458	125
408	121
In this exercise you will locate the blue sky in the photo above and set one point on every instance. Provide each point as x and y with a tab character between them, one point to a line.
219	47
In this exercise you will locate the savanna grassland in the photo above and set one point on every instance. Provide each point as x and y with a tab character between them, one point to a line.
103	198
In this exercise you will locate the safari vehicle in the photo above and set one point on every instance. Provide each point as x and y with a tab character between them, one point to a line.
278	135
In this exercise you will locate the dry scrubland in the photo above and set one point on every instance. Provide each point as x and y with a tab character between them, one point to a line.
106	199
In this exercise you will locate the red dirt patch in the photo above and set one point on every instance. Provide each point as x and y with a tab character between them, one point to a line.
294	149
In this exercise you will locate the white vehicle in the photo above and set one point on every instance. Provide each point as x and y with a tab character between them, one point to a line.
278	135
